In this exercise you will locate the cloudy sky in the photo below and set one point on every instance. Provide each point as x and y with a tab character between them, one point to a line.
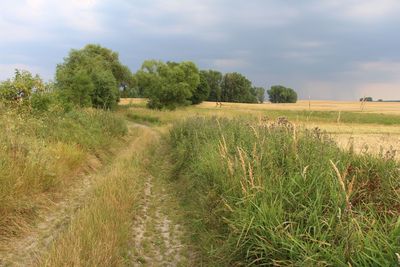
325	49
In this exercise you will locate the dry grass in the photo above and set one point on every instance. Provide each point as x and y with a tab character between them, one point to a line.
314	105
41	157
100	233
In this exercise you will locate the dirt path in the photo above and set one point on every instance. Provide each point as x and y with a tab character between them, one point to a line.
158	238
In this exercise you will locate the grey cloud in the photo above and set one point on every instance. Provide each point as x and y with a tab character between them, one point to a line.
337	49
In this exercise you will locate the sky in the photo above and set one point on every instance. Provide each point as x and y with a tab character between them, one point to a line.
324	49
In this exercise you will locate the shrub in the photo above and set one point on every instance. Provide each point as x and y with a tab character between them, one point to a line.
281	94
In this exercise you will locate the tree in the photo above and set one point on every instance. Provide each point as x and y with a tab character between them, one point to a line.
21	86
92	76
237	88
202	91
260	94
281	94
105	94
214	80
168	85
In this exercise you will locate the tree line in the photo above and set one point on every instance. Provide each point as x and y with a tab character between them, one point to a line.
94	77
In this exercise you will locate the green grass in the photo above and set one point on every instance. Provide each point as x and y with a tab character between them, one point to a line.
274	196
42	154
145	119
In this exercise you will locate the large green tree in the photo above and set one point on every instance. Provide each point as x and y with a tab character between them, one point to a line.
168	85
214	80
92	76
202	90
237	88
282	94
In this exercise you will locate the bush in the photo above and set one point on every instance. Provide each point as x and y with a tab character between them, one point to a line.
40	102
20	87
281	94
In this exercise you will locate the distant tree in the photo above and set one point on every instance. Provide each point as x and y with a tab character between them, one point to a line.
92	76
202	90
260	94
237	88
168	85
366	99
214	80
21	86
281	94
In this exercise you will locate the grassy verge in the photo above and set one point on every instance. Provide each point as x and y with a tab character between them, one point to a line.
41	154
273	195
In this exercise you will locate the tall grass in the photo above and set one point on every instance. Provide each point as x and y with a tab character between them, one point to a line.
41	154
270	194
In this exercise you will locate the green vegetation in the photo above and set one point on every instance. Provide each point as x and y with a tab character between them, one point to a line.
145	119
238	89
214	80
281	94
270	194
202	91
168	85
20	87
41	155
93	76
